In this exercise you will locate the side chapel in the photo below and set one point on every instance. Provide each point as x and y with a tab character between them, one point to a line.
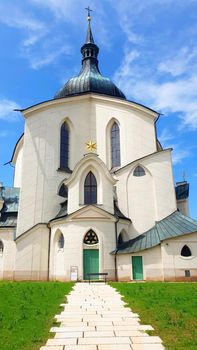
93	190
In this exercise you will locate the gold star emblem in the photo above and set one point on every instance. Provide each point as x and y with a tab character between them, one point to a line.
91	146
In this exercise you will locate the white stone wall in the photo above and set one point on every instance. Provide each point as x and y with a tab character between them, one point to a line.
152	265
72	254
148	198
174	265
137	132
7	258
32	254
88	118
18	168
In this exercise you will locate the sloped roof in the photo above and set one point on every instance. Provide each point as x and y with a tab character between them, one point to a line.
118	213
174	225
8	221
9	211
10	195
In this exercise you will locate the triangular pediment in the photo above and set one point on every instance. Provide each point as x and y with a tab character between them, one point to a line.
91	213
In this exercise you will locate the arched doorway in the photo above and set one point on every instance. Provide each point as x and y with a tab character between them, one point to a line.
90	254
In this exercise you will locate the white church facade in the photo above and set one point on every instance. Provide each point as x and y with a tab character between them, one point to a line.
94	190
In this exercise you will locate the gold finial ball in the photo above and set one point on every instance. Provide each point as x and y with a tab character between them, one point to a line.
89	18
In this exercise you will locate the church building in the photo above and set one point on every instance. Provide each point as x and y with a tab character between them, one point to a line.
93	190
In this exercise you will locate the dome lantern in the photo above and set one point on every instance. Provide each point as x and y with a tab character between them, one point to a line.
89	78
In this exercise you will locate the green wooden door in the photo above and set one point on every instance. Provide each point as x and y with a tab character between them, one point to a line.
137	268
90	262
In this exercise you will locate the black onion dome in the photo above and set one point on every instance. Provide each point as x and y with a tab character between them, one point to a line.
89	78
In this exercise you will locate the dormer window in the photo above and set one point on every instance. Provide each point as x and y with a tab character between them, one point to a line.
90	189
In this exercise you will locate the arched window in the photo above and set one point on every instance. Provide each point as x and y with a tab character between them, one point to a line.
120	239
1	247
115	145
61	241
90	189
139	171
64	146
90	238
185	251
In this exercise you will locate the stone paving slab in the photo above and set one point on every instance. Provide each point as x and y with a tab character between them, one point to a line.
147	347
69	341
99	334
65	335
72	329
51	348
115	347
105	340
95	318
120	328
80	347
100	323
146	340
130	333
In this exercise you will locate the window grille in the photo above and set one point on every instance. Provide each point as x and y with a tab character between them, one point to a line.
90	238
187	273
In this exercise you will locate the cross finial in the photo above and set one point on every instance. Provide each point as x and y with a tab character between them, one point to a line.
89	10
184	175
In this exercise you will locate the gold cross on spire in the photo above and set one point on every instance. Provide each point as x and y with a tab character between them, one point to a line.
89	10
91	146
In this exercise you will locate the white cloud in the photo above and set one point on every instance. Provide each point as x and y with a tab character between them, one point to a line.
179	152
50	57
139	82
7	110
33	28
40	45
69	10
180	63
165	136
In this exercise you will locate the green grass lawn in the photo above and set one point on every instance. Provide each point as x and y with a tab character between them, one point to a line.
171	308
27	310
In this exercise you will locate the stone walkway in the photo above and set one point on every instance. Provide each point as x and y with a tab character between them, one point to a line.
95	318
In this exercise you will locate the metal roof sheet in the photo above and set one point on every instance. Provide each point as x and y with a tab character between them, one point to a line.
10	195
8	220
174	225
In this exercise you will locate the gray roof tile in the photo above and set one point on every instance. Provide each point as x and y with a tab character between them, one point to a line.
174	225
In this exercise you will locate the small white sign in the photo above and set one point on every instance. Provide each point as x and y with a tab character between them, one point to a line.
74	273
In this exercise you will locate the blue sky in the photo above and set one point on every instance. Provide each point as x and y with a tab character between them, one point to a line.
149	48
